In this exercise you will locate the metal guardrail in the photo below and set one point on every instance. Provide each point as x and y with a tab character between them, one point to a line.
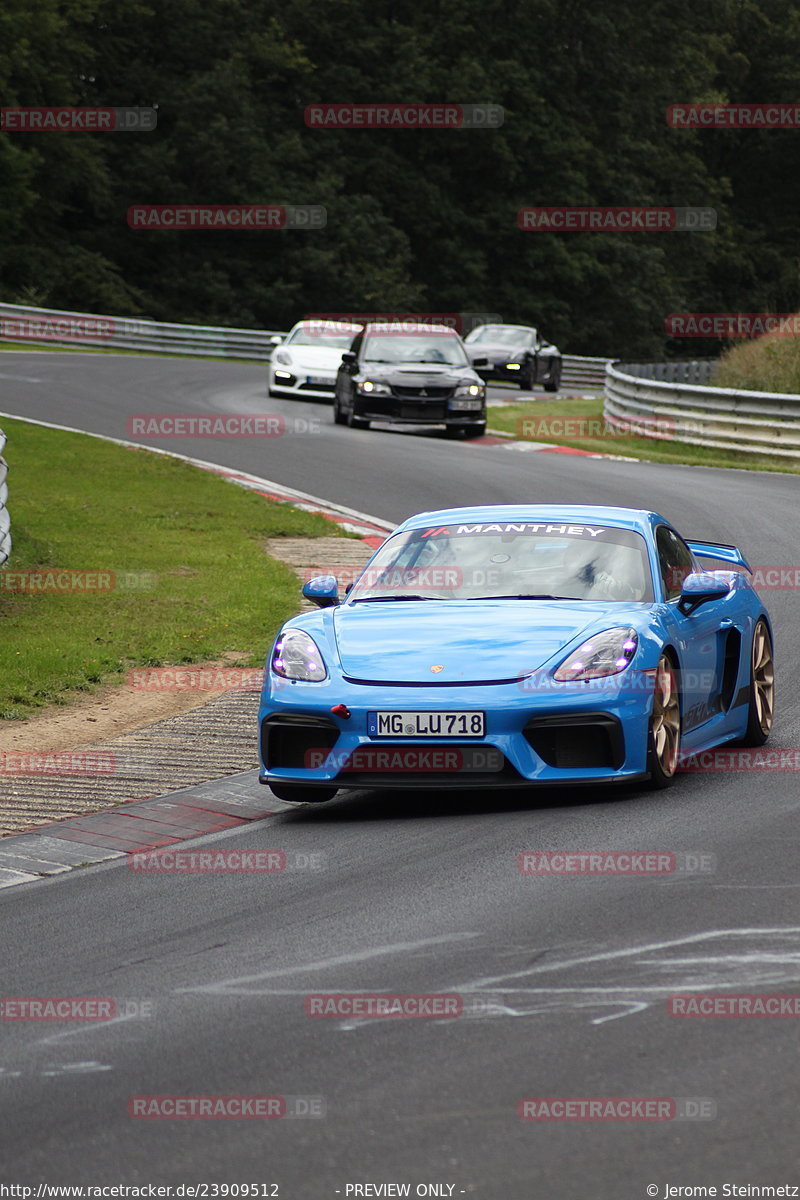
52	327
71	330
583	372
672	399
5	520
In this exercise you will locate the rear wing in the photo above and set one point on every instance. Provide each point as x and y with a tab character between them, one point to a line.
729	554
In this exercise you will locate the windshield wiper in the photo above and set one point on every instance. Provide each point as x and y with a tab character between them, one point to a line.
403	596
525	596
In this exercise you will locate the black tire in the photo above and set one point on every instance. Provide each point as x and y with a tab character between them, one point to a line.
298	793
554	382
663	751
527	379
357	422
476	430
762	691
338	416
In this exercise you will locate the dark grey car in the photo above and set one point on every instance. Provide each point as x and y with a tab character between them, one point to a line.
516	353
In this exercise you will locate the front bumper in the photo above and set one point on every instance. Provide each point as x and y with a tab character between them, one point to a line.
501	370
296	385
416	411
597	735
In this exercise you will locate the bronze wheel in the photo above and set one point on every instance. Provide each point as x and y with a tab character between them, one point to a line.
665	725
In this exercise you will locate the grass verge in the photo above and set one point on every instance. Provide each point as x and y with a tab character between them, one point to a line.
512	418
766	364
192	582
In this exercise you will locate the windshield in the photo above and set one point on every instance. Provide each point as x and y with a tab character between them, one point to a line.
434	347
500	335
509	560
327	338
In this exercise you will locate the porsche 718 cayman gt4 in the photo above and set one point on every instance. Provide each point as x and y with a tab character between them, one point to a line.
507	646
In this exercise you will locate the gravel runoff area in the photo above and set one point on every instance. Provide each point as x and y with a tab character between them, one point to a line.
215	739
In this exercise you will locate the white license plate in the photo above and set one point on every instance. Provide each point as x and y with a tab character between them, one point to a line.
319	379
393	724
464	405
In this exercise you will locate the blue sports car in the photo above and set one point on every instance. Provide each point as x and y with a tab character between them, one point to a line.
513	645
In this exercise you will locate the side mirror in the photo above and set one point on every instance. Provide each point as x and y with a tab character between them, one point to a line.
348	358
480	362
699	588
275	340
322	590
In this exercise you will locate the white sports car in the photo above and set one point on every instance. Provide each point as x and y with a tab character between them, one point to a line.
305	362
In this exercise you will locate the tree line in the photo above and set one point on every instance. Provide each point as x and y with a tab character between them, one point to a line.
417	220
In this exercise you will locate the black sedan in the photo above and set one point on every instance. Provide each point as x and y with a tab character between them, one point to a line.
516	353
417	376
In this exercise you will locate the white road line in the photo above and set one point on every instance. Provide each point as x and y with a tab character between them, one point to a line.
323	964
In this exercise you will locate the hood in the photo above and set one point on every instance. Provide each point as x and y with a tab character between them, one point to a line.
418	374
499	353
474	641
312	357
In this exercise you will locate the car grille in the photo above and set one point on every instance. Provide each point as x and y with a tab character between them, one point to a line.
584	740
289	740
427	412
434	393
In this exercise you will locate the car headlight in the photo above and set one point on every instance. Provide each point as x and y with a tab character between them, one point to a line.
297	656
374	389
282	356
469	389
513	366
605	653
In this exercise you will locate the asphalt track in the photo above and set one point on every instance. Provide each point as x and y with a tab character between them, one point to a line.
564	979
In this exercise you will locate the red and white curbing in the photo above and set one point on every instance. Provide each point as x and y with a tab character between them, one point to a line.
370	529
497	437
